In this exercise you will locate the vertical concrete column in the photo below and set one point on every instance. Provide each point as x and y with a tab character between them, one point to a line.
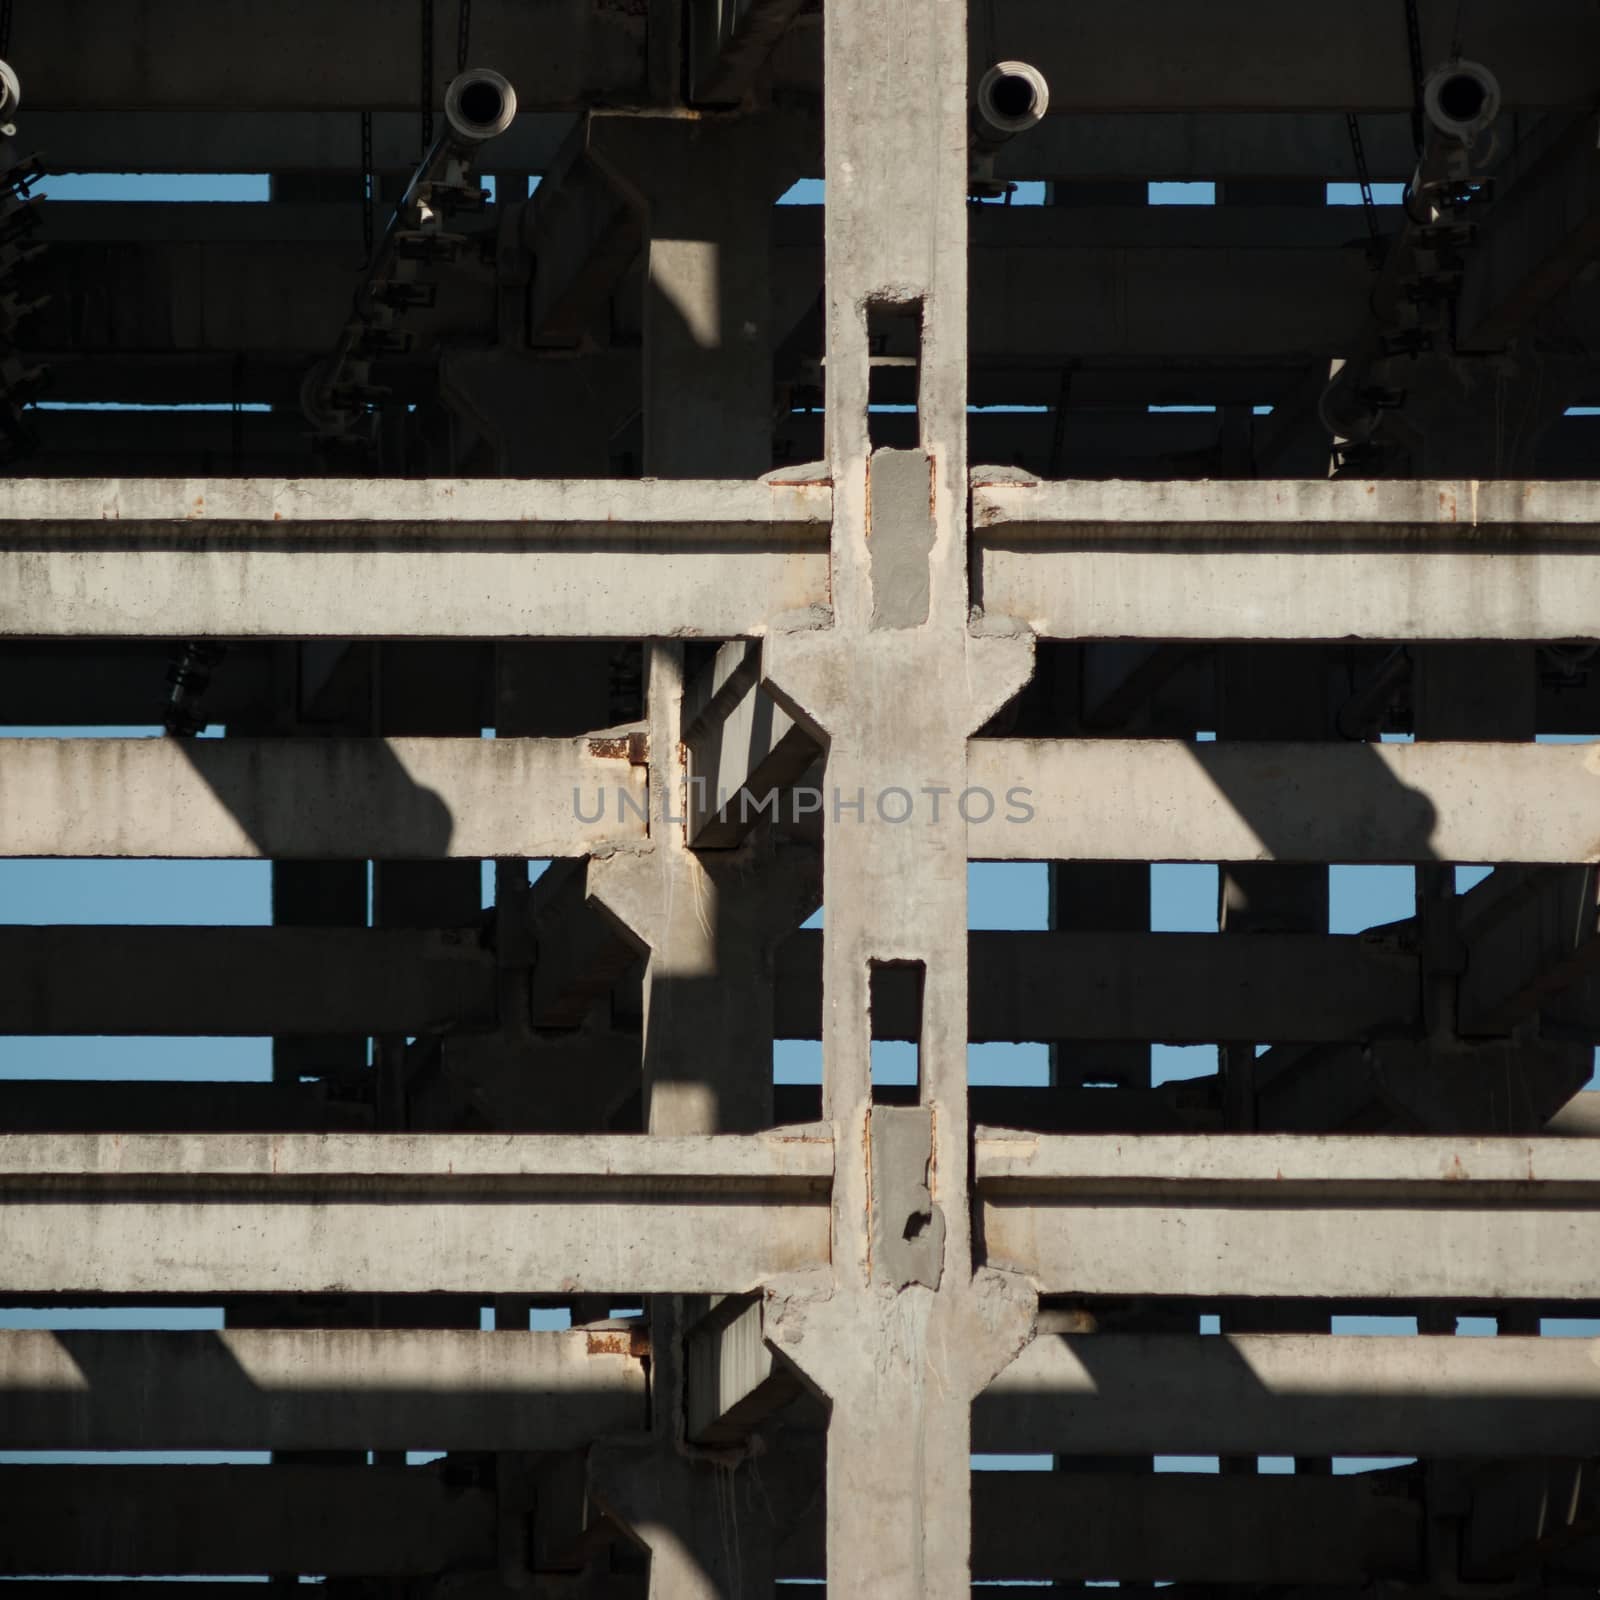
711	923
705	186
901	1333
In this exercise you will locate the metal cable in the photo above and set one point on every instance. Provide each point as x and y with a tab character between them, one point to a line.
463	34
1369	206
427	75
1418	76
368	186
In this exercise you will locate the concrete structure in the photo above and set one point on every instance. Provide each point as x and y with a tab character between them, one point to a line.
733	562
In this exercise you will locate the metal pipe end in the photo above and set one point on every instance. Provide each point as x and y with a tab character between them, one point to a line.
1012	97
1461	99
10	90
479	105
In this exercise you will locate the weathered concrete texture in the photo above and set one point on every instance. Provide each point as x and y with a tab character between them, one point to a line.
710	924
899	1362
1291	560
899	536
253	558
1285	1394
408	1214
1163	800
319	799
1254	1216
284	1389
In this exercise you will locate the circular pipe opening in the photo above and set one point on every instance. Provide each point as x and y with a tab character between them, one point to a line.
1462	98
1012	96
481	102
479	105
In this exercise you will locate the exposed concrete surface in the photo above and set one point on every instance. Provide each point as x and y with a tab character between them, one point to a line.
899	537
1256	1216
1286	1394
428	558
318	799
328	1388
1291	560
1168	800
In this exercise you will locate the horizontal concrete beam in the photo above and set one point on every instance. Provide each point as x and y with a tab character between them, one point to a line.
1173	988
428	558
1189	1105
352	1213
1196	1527
1155	55
249	981
1191	1526
318	799
64	1105
1293	1395
1176	988
353	1521
1086	147
1207	147
169	57
1170	800
273	141
1301	559
575	1086
1252	1216
327	1389
1167	287
219	1521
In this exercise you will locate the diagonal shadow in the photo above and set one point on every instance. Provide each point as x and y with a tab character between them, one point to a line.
1305	801
323	799
159	1390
